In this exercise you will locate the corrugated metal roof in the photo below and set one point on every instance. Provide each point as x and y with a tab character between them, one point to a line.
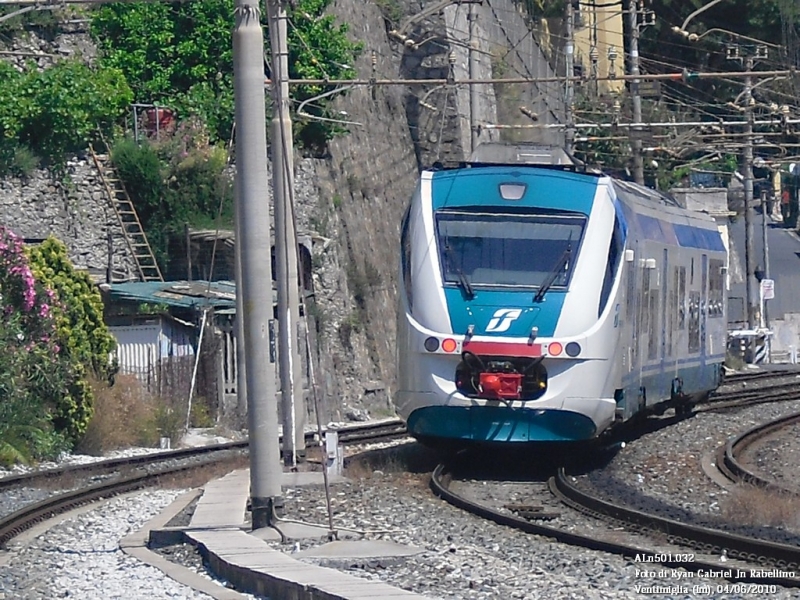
187	294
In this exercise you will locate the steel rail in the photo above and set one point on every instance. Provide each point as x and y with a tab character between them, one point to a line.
22	519
729	464
440	485
762	552
17	522
348	435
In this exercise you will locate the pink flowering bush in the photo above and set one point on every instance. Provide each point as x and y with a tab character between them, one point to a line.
32	371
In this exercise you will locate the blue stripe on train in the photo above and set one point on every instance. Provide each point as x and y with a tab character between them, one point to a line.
480	310
675	234
556	190
500	424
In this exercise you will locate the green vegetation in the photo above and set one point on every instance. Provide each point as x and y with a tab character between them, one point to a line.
180	55
81	334
56	111
180	179
51	338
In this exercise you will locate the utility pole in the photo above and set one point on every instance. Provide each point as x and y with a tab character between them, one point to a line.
291	373
636	139
569	85
255	285
473	74
749	254
765	249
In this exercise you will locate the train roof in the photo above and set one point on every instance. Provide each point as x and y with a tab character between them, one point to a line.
495	154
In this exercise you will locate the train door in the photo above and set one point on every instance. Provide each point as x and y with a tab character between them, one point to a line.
632	316
703	308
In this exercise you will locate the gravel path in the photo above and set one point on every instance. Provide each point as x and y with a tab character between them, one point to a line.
80	558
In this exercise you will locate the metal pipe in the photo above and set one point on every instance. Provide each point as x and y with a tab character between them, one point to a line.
290	368
569	86
636	140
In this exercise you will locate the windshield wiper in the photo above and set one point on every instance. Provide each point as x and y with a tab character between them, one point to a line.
553	275
463	281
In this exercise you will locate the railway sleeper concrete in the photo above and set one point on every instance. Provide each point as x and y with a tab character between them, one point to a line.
244	559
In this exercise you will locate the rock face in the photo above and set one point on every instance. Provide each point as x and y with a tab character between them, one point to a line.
74	209
353	199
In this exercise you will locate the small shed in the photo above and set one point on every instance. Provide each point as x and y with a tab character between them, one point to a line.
157	326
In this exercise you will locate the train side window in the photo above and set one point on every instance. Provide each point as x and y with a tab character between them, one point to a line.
615	250
672	311
681	298
653	334
694	321
716	284
405	258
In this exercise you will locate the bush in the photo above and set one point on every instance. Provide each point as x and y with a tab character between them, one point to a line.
123	414
60	109
80	330
33	369
181	179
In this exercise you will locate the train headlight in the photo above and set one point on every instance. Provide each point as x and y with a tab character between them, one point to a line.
512	191
431	344
573	349
554	348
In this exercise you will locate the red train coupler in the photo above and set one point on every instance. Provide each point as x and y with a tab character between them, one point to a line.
501	385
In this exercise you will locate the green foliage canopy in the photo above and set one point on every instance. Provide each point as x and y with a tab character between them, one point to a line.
180	55
59	109
180	179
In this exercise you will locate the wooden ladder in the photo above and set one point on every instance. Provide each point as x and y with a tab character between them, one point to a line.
128	219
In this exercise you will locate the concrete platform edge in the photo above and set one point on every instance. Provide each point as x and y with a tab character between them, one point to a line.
135	545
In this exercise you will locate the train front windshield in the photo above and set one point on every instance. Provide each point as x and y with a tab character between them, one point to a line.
516	250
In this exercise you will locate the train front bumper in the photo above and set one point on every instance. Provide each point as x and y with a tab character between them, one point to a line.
499	423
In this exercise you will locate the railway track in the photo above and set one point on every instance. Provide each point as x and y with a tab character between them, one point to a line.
644	537
729	459
123	475
652	538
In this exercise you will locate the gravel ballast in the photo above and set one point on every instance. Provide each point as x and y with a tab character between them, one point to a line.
463	557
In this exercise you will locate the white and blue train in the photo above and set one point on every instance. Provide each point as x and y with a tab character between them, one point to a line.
540	304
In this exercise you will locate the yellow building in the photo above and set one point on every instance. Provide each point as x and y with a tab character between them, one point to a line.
599	43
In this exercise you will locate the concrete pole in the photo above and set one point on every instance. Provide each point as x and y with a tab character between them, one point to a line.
569	85
636	141
256	281
240	362
765	244
473	74
291	369
748	200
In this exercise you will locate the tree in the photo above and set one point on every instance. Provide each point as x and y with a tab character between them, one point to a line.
180	55
59	109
